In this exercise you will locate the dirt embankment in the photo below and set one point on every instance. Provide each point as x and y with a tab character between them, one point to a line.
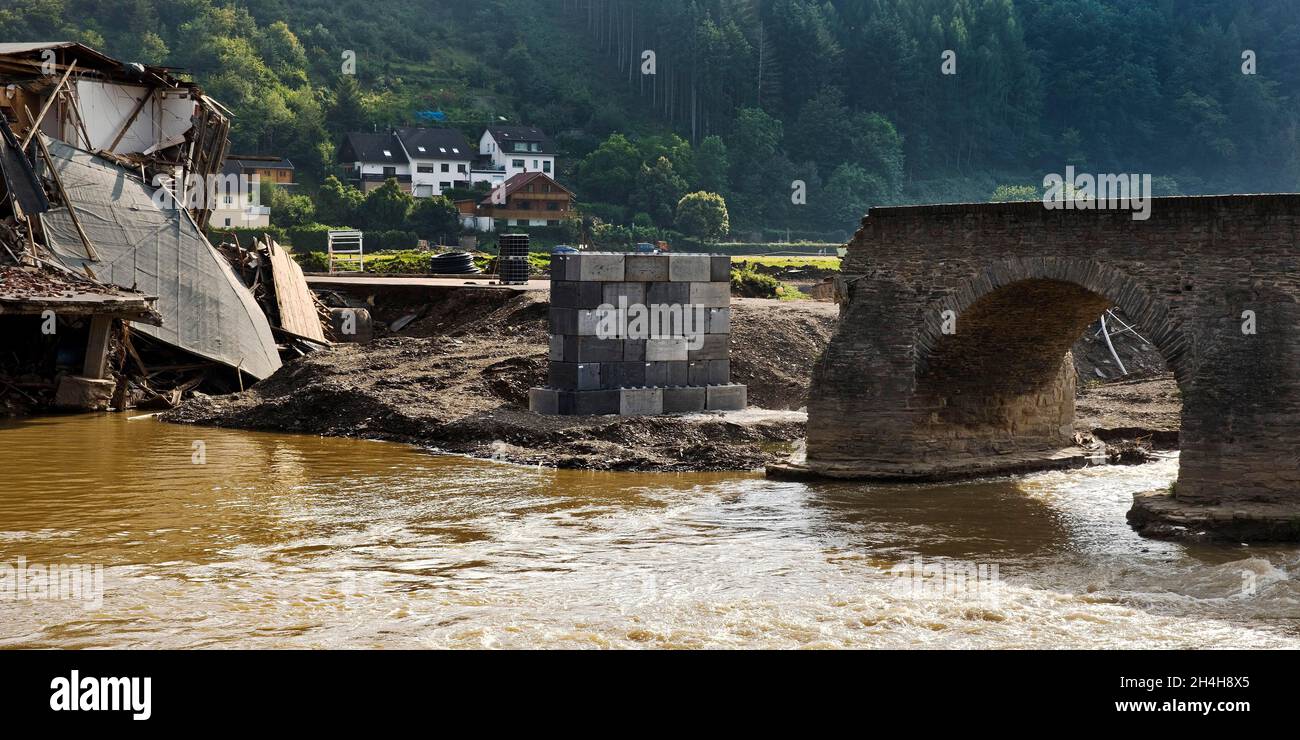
457	379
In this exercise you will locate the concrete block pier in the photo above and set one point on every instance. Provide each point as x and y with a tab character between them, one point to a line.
639	335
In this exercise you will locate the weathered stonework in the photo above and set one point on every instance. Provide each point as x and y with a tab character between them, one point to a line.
894	396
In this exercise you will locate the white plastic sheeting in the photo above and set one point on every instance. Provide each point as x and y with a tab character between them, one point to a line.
160	251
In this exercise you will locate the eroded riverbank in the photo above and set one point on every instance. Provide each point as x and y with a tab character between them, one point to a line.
457	380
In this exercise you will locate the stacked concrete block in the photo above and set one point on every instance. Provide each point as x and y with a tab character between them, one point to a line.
639	334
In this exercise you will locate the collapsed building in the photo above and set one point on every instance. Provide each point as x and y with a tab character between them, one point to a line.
102	239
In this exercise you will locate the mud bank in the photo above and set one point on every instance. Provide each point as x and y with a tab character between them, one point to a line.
456	379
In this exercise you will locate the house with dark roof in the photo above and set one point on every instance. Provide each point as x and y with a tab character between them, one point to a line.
424	161
512	150
527	199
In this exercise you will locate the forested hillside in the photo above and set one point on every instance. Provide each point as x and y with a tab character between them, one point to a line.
749	96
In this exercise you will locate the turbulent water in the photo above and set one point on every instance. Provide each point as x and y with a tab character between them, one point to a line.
265	540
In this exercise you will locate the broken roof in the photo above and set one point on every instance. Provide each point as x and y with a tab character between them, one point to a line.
144	240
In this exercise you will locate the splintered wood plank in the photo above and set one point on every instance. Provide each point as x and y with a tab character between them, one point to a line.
297	308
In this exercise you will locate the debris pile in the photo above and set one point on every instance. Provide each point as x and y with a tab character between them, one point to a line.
110	294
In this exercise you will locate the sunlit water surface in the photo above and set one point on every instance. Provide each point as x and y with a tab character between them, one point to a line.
290	541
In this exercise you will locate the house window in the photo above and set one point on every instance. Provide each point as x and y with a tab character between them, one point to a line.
546	166
523	205
387	153
536	165
390	172
520	164
227	222
521	146
460	168
553	222
446	167
425	168
552	206
444	185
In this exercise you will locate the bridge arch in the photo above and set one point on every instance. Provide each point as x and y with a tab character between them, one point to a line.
895	396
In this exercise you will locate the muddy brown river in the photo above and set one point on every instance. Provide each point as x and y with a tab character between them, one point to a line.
208	538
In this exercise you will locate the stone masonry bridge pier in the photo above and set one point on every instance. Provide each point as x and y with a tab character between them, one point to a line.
951	356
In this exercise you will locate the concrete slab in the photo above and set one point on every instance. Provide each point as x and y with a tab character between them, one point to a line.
597	266
726	398
713	347
557	348
632	293
623	374
575	322
545	401
592	349
84	394
689	268
576	294
641	401
684	400
574	376
667	373
711	295
646	268
666	350
669	293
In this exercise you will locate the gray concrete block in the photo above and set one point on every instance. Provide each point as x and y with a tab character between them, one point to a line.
668	293
575	294
713	347
719	268
689	268
598	266
634	350
560	267
719	321
622	374
576	322
590	403
719	372
667	373
592	349
630	293
666	350
698	373
711	295
641	401
544	401
574	376
646	268
684	400
557	348
725	398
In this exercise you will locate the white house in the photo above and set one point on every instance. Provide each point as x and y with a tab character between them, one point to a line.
512	150
424	161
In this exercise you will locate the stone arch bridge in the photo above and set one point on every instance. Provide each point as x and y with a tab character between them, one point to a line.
951	355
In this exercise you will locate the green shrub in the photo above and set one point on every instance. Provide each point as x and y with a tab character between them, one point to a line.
750	284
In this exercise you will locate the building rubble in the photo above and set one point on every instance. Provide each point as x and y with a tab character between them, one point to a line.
111	295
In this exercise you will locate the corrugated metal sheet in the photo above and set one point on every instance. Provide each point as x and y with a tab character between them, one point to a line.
159	250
